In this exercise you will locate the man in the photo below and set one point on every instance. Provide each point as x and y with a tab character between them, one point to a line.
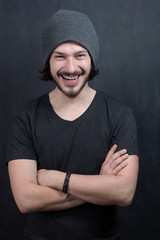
72	153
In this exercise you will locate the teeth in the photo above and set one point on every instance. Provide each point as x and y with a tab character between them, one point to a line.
70	78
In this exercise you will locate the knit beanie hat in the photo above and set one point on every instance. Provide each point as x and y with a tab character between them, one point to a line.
66	25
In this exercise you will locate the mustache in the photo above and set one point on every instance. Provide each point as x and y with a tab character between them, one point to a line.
79	72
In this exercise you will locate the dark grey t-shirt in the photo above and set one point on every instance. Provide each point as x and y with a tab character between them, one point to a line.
78	146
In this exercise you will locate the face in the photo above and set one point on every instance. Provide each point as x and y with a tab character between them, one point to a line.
70	65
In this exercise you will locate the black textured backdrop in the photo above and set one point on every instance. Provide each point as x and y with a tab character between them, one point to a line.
129	36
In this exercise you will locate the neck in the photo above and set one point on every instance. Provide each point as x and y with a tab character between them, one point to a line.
58	98
71	108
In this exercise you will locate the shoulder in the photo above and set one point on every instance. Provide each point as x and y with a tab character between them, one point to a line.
26	115
30	108
114	106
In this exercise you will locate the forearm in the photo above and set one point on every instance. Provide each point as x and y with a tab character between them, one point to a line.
99	189
96	189
107	189
41	198
30	196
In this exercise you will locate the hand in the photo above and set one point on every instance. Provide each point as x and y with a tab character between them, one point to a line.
114	162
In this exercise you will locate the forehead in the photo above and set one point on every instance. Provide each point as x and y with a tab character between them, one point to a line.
70	47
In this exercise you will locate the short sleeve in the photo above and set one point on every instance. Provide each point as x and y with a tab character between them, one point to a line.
20	140
124	131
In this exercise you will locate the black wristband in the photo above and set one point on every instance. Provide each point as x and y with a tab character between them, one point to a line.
66	181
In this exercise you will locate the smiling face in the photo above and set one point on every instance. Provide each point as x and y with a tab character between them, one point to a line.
70	65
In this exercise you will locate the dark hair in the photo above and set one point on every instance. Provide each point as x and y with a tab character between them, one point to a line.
45	73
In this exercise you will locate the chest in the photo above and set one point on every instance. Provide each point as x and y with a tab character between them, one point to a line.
79	148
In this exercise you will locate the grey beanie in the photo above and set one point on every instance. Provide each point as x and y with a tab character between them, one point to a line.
66	25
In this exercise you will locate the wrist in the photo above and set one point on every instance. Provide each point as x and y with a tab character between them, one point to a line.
57	179
44	177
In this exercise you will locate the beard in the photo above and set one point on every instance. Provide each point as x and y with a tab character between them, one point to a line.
71	93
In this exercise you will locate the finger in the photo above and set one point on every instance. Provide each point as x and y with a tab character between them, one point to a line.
119	160
110	158
111	151
120	153
119	167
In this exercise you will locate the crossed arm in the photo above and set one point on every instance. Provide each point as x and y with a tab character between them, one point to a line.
41	191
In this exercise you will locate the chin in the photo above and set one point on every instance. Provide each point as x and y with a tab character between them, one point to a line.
72	93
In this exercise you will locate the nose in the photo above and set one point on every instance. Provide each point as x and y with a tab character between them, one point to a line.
70	65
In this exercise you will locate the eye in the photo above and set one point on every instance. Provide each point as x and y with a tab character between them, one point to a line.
59	57
82	55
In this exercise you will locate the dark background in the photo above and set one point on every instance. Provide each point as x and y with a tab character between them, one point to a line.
129	62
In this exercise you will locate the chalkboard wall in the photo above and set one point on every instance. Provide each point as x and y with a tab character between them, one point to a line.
129	63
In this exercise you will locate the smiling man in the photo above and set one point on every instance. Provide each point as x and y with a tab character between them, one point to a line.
72	153
70	65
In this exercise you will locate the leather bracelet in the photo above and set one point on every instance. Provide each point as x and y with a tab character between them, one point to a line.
66	181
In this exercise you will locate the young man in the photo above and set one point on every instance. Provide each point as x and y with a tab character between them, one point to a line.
72	153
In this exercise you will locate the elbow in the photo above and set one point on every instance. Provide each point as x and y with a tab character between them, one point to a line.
126	199
22	210
25	200
126	202
24	203
23	206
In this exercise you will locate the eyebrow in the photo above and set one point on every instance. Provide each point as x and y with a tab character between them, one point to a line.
79	52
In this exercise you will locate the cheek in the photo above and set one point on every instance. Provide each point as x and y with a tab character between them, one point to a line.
54	68
88	68
86	65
